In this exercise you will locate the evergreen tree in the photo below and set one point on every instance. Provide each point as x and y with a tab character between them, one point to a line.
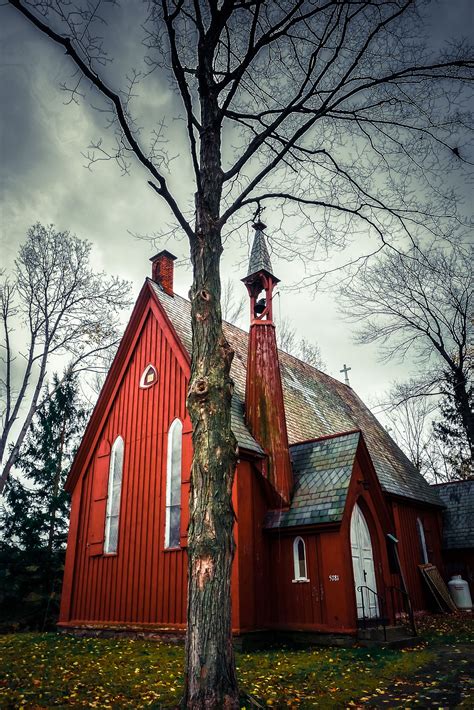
36	509
457	447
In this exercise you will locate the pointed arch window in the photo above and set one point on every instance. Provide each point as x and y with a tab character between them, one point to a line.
299	560
113	496
173	485
422	539
149	377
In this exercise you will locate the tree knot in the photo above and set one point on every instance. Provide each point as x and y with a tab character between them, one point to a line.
200	388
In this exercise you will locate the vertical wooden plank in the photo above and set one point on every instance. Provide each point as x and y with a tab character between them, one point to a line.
142	582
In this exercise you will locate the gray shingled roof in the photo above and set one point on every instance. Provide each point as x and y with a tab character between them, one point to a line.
259	256
322	471
316	405
458	516
178	311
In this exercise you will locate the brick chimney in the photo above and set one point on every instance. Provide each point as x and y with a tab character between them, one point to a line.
162	269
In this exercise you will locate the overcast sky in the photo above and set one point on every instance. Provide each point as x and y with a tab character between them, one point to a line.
44	179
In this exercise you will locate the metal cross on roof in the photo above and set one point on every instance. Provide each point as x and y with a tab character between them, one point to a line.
345	370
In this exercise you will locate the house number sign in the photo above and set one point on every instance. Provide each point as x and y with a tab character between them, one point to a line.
334	578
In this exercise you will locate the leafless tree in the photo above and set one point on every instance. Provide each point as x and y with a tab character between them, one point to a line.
421	302
323	105
410	426
412	418
301	348
66	310
232	306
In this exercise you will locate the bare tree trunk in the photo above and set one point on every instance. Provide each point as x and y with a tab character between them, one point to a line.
13	413
15	450
210	665
57	478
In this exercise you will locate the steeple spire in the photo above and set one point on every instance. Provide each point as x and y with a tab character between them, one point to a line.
259	256
260	278
265	409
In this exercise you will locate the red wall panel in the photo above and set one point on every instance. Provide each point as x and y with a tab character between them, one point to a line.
405	516
143	582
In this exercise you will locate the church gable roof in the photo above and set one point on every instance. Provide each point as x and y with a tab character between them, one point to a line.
316	405
322	471
178	311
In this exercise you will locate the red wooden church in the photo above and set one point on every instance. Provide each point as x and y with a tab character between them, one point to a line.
332	519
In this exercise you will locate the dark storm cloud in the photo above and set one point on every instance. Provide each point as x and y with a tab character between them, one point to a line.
42	141
43	174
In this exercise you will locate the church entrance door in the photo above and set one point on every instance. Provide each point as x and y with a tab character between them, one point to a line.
363	566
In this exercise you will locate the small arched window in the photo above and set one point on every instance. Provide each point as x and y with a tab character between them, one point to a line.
173	485
299	560
113	497
422	539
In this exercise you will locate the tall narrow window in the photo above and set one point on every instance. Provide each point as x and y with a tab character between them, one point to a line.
421	536
299	560
113	496
173	485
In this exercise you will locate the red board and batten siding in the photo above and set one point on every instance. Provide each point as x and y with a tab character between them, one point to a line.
327	602
405	516
142	583
252	563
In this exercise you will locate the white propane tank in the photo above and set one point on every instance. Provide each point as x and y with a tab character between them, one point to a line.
459	590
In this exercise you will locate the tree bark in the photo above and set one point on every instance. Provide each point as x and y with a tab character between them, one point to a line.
210	665
15	450
57	478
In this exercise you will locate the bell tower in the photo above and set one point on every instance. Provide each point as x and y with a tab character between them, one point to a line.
265	409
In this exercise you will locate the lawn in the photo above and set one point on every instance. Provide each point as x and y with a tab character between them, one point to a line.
43	670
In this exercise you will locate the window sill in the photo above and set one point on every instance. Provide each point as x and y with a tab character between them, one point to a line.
300	579
172	549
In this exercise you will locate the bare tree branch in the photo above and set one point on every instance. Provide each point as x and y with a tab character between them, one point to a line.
67	310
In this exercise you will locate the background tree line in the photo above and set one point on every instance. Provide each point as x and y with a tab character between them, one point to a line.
57	312
420	303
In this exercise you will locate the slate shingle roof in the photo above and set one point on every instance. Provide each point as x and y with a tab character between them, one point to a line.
316	405
322	471
259	256
458	516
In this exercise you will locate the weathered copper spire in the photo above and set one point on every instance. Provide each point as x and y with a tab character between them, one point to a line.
265	409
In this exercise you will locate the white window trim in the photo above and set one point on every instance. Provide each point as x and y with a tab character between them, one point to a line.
144	385
422	539
296	565
110	489
176	422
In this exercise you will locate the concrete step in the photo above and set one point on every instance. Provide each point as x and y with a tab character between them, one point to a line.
395	637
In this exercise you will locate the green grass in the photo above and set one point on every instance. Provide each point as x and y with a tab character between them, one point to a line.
49	670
